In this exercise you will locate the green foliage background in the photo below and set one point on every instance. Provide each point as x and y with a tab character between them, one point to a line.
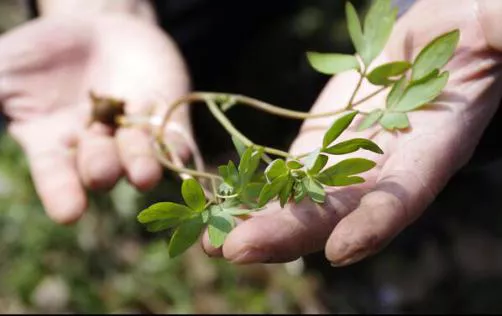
449	261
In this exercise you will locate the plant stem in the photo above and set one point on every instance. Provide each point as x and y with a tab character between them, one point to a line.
369	96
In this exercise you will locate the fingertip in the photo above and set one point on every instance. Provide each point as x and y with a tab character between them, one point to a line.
67	211
144	173
208	248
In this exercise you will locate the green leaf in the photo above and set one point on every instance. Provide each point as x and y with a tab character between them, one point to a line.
394	120
300	190
158	226
370	120
311	158
285	193
276	169
336	175
337	128
378	25
248	164
419	94
330	64
315	190
164	211
193	195
396	93
185	236
354	27
353	145
239	145
435	55
294	164
271	190
252	191
382	75
218	228
320	163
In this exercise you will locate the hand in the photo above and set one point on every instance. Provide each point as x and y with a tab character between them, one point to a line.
47	69
358	221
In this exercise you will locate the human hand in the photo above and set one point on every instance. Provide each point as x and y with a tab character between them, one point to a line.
358	221
47	69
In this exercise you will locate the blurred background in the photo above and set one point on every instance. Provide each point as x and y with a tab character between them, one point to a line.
449	261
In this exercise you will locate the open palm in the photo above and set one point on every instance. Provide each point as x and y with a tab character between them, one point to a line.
357	221
48	67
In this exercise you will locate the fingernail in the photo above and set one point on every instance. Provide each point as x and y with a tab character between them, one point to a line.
251	256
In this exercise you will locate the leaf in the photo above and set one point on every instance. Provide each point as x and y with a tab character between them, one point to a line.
435	55
193	195
354	27
271	190
417	95
276	169
330	64
233	174
248	164
378	25
239	145
158	226
353	145
185	236
396	92
285	193
382	75
337	128
164	211
218	228
370	120
320	163
311	158
315	190
394	120
294	164
252	191
300	191
344	169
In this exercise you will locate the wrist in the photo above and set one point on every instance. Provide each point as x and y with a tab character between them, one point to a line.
141	9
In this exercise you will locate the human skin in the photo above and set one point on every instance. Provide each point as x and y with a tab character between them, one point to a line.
48	67
358	221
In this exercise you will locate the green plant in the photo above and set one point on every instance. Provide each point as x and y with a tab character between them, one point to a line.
246	187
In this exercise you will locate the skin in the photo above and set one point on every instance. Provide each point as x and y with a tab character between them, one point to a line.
358	221
47	68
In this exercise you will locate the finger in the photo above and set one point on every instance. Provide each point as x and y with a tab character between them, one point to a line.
136	153
409	181
98	160
54	173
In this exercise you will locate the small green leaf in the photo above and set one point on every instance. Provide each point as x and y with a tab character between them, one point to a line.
417	95
285	193
330	64
164	211
394	120
218	228
233	174
193	195
300	190
336	174
271	190
276	169
248	164
354	27
396	93
158	226
294	164
320	163
239	145
337	128
382	75
370	120
185	236
311	158
435	55
352	145
378	25
315	191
